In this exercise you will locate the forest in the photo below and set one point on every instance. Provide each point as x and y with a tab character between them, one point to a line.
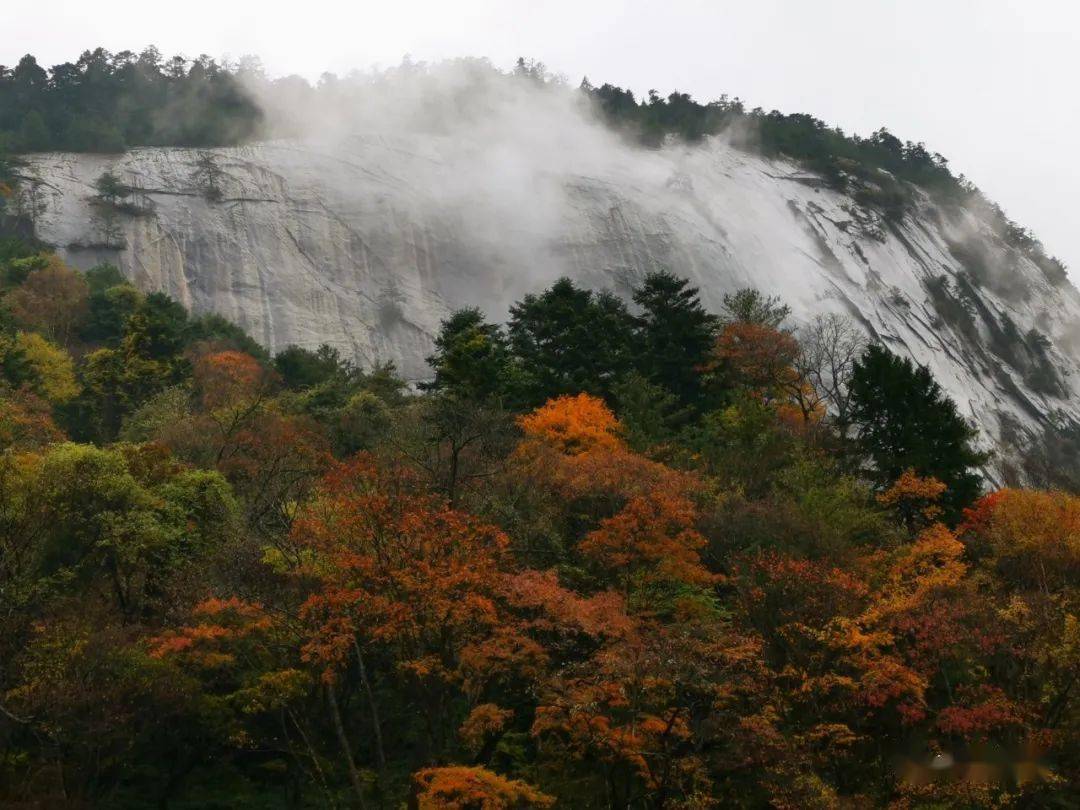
611	555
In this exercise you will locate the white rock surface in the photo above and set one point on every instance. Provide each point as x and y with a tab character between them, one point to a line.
367	245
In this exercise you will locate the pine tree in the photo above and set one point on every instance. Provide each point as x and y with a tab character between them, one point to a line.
905	421
569	340
674	334
471	359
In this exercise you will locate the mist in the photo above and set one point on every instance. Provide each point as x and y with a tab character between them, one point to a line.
496	154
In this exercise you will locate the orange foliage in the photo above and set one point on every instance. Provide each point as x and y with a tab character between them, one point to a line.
458	787
400	570
551	608
572	445
483	721
228	378
760	357
914	498
26	423
222	622
1034	537
630	710
653	535
574	425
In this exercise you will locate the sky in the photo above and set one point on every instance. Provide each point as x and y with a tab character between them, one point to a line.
987	83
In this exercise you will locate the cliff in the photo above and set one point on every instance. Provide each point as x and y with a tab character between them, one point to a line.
366	242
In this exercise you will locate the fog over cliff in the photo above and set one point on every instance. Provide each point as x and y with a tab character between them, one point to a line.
380	203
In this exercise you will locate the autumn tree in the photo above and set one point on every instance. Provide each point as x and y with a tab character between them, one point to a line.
465	788
53	300
414	586
829	347
52	367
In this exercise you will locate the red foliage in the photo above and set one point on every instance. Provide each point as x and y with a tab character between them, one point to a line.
229	379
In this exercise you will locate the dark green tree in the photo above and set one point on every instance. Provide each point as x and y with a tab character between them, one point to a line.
302	368
163	326
674	335
112	301
569	340
904	420
471	358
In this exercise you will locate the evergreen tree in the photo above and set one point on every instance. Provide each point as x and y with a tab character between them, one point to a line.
905	421
749	305
472	358
569	340
302	368
674	334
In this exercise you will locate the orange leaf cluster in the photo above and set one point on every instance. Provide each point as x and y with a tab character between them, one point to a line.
653	534
473	788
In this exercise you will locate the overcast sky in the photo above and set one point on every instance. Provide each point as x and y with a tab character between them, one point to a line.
988	83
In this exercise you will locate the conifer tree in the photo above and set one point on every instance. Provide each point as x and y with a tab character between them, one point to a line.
905	421
674	334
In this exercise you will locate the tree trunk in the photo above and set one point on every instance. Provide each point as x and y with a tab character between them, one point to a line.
346	749
380	753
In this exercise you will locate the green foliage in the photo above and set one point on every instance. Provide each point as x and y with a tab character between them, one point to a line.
568	340
904	420
213	328
651	415
108	102
749	305
472	358
302	368
111	303
674	335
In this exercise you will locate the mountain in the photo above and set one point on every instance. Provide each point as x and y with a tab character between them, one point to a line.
366	241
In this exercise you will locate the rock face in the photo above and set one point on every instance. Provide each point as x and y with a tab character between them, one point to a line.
368	243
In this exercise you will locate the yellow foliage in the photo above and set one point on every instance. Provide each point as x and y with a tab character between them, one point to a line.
52	365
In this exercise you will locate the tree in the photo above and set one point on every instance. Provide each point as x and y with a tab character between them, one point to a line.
52	367
111	190
673	335
208	175
750	306
759	358
53	300
112	301
230	381
829	347
569	340
471	359
302	368
457	443
468	788
406	580
903	420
